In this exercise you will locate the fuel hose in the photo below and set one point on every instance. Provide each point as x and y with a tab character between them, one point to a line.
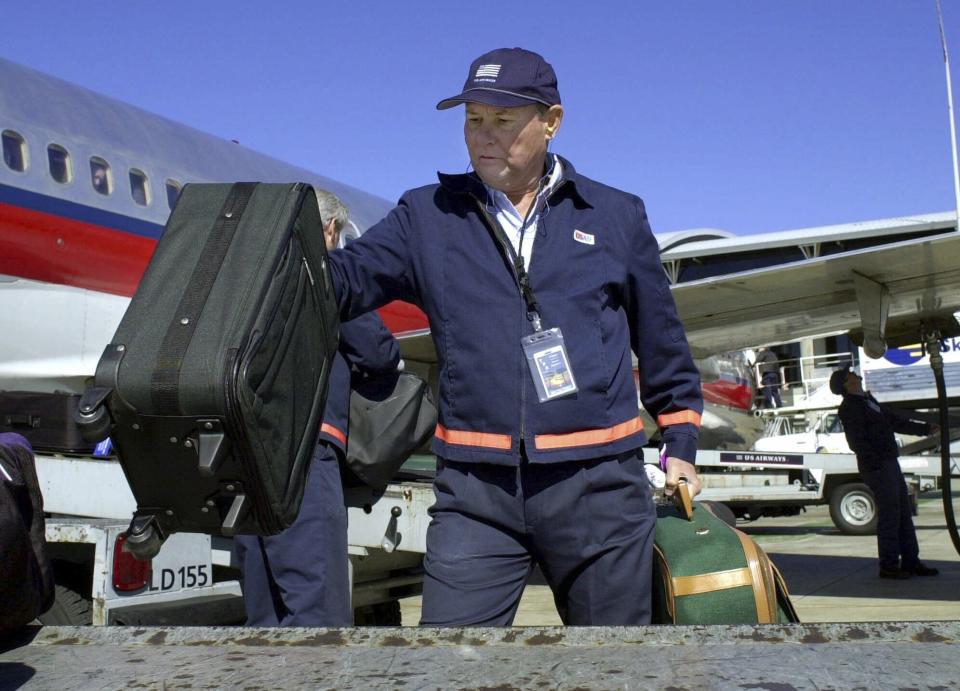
936	364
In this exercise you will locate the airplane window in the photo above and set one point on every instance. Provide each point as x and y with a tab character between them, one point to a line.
59	161
14	151
173	191
100	176
138	187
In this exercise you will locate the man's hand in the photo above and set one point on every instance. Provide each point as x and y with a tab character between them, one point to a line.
676	469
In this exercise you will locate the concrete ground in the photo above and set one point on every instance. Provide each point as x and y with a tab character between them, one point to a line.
832	577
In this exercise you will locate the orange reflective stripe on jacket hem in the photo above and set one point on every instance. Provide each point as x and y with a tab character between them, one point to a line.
589	437
678	418
504	442
327	428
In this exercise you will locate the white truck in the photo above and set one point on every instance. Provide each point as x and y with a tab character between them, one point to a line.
88	505
824	436
753	484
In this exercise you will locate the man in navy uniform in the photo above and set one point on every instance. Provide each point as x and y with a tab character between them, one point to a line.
538	282
869	429
769	369
300	577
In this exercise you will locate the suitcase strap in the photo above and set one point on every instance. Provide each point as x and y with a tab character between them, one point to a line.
164	383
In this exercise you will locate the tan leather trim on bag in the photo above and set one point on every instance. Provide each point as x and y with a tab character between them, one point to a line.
782	588
709	582
667	584
764	594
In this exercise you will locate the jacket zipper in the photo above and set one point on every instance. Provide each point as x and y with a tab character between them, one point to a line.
503	241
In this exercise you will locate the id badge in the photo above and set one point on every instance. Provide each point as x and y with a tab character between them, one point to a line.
549	364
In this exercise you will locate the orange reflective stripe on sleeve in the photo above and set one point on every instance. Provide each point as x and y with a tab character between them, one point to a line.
678	418
327	428
504	442
589	437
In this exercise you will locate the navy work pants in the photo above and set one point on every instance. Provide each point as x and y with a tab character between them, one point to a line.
771	390
896	536
300	577
587	524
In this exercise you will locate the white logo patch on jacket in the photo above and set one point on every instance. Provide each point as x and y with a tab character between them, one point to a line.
585	238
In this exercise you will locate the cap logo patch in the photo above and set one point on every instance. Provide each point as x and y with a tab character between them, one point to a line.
487	73
585	238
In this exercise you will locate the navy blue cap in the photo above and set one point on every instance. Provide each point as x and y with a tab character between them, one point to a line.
509	78
838	381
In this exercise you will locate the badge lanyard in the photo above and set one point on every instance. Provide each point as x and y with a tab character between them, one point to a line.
545	351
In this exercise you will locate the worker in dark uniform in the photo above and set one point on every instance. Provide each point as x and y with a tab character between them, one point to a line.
869	429
300	577
769	369
539	284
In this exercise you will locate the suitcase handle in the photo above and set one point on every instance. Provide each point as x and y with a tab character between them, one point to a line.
21	421
682	500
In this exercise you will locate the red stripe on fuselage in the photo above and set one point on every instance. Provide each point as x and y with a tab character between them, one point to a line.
402	317
55	249
728	393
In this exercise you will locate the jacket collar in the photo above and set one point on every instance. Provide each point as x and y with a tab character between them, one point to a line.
471	184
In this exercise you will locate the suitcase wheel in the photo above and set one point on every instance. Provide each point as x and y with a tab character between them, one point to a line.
92	418
144	538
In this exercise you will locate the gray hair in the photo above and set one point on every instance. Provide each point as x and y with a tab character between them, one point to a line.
331	208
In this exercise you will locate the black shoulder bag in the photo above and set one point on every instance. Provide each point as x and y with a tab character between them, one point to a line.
391	416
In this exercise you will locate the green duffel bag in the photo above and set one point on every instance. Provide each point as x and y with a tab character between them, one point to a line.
707	572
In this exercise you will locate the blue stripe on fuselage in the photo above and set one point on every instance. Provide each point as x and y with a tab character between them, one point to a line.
78	212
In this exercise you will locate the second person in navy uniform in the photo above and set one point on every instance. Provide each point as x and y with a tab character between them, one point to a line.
869	428
300	577
538	282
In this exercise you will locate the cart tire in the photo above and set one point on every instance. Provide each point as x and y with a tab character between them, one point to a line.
853	509
70	608
387	613
380	614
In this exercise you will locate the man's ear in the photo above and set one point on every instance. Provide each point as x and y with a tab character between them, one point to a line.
553	118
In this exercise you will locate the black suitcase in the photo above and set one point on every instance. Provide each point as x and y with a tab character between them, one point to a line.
216	378
45	419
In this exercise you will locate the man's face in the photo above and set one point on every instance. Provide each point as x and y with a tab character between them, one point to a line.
853	382
508	145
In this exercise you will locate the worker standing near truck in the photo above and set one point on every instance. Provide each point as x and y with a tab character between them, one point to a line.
869	428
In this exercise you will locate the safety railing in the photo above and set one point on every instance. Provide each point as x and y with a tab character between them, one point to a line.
804	379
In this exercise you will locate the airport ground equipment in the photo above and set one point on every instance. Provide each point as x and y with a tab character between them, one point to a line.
215	380
191	580
756	484
705	571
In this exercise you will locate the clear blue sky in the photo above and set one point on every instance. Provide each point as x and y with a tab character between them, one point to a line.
749	116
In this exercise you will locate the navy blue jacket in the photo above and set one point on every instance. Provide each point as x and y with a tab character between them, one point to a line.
869	433
606	290
366	345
